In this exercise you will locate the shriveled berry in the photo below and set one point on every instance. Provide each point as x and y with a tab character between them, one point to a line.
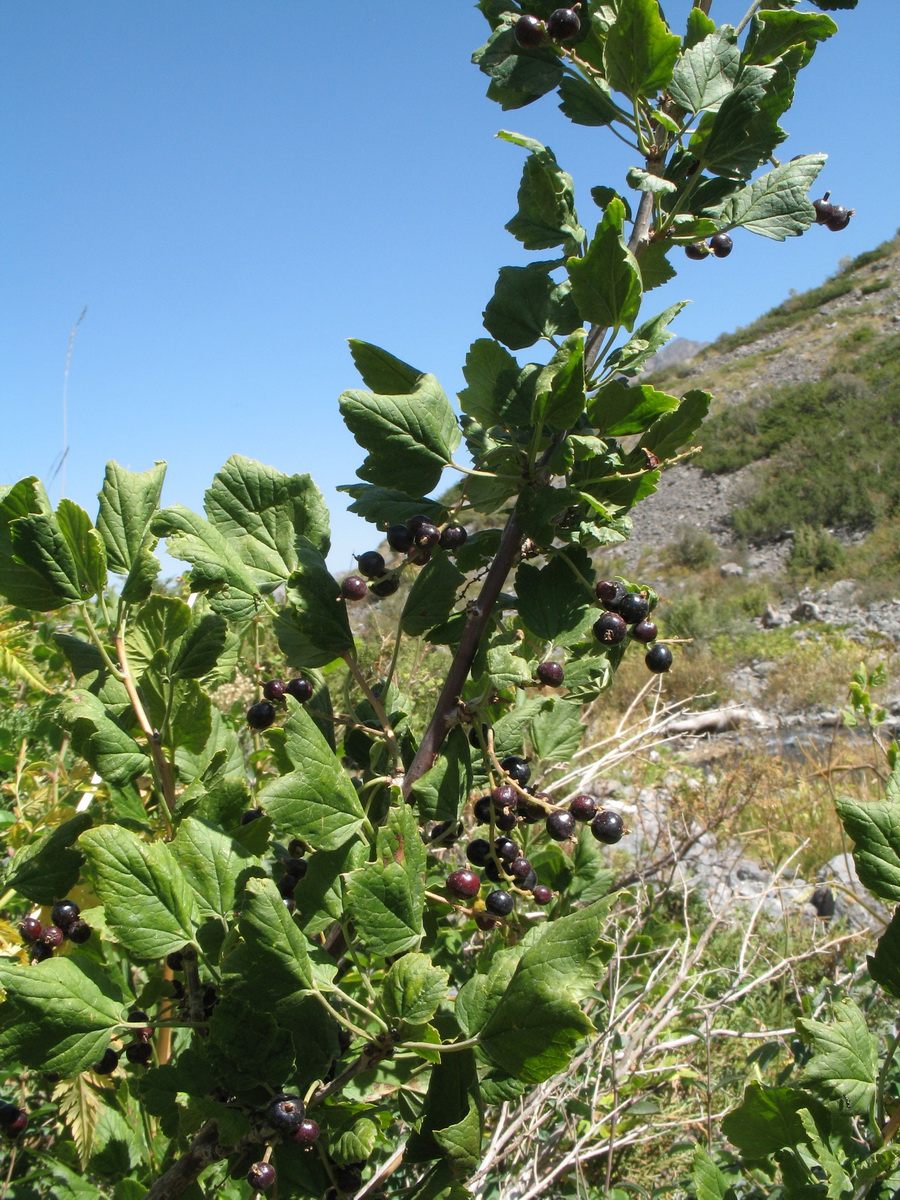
644	631
51	936
560	826
482	809
261	1176
79	932
529	32
633	608
427	535
503	796
370	564
608	827
139	1054
721	245
63	913
108	1062
285	1112
399	538
307	1132
30	928
385	587
499	903
261	715
610	593
463	883
252	814
563	23
659	659
354	587
300	689
453	536
583	807
517	769
610	629
542	894
273	689
550	674
478	851
839	219
697	250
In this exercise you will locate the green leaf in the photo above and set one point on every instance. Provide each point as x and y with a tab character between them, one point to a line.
148	905
85	545
13	666
128	501
706	73
37	543
640	51
510	731
527	305
557	732
21	583
646	181
699	26
355	1144
875	828
410	437
451	1127
216	566
212	863
491	373
606	282
201	647
158	626
655	267
674	429
413	989
100	739
387	507
534	1029
546	215
768	1119
61	1014
382	372
538	510
552	600
776	205
517	78
385	898
505	668
432	597
320	902
314	629
745	132
440	793
884	964
587	103
559	393
316	801
275	950
646	340
709	1182
774	32
845	1056
49	868
618	409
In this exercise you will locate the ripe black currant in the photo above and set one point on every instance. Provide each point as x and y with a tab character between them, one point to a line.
478	851
108	1062
610	593
427	535
63	913
40	952
297	847
301	689
721	245
503	796
499	903
550	674
542	894
463	883
370	564
519	868
12	1118
529	32
633	608
136	1016
252	814
419	556
492	871
528	882
517	769
644	631
354	587
453	536
413	524
139	1054
823	209
260	715
446	833
274	689
583	807
485	921
506	820
51	936
261	1176
349	1178
563	23
175	960
30	928
399	538
285	1112
482	809
286	885
610	629
385	587
607	827
659	659
560	826
79	932
506	848
473	736
839	218
697	250
296	867
307	1132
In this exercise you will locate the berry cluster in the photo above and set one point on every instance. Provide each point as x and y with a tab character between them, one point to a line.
562	24
833	216
416	539
262	714
295	868
720	246
66	922
624	608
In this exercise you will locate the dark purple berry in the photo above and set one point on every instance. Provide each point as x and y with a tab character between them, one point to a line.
528	882
63	913
300	689
499	903
583	807
354	587
542	894
485	921
633	608
824	210
607	827
107	1063
252	814
482	809
453	536
610	593
520	868
285	1112
370	564
493	872
721	245
697	250
79	932
307	1132
399	538
12	1118
478	851
261	715
560	826
30	928
839	219
503	796
563	23
414	524
139	1054
138	1016
550	674
517	769
506	820
296	867
659	659
473	736
261	1176
349	1179
175	960
506	849
529	32
427	535
40	952
274	689
51	936
610	629
463	883
644	631
297	847
385	587
286	885
419	556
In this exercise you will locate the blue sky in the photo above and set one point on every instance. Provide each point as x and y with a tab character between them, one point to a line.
233	189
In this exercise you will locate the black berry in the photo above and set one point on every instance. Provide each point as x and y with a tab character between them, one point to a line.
261	1176
485	921
633	608
550	674
520	868
697	250
446	833
399	538
610	593
506	849
644	631
528	882
285	1112
482	809
529	32
607	827
12	1118
492	871
139	1054
503	796
499	903
473	736
296	867
252	814
286	885
349	1179
370	564
30	928
64	913
261	715
517	769
307	1132
839	219
453	536
414	524
506	820
610	629
79	932
824	210
354	587
583	807
40	952
301	689
542	894
175	960
296	847
563	23
107	1063
427	535
658	659
385	587
274	689
463	883
51	936
560	826
478	851
721	245
419	556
